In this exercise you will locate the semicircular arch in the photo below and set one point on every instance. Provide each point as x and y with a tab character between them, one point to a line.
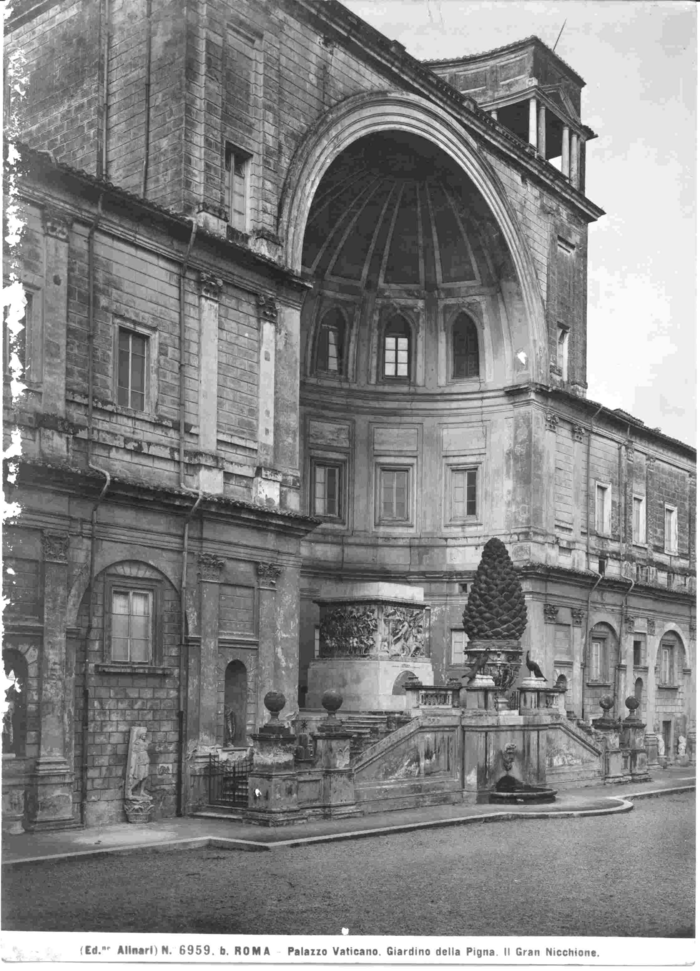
379	111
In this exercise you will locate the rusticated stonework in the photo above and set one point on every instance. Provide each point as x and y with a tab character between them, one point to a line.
268	574
349	631
403	631
577	615
550	614
56	224
267	307
55	547
210	567
210	286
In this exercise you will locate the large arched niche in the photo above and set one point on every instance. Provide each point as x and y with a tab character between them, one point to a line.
366	114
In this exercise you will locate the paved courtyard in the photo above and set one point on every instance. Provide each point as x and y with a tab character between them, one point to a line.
630	875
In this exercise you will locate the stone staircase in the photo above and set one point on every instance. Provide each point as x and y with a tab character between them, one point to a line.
369	727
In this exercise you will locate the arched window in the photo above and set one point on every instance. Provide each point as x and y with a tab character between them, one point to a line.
465	348
330	346
396	362
602	654
669	660
14	721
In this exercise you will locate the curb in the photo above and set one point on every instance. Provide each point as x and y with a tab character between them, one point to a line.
622	804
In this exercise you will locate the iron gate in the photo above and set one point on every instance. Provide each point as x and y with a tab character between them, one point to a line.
228	782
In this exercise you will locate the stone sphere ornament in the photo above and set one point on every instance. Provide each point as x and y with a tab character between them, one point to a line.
331	700
631	703
274	701
606	703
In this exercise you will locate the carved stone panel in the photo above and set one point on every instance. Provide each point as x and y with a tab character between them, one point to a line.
349	630
210	567
577	615
403	631
56	224
55	547
550	614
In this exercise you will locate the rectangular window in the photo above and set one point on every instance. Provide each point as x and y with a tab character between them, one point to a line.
563	351
237	187
459	643
394	495
328	494
132	625
602	509
131	369
639	520
598	661
666	664
395	357
463	496
670	530
638	652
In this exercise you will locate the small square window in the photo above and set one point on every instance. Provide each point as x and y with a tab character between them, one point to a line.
394	498
237	187
670	530
132	369
459	644
638	652
327	487
132	625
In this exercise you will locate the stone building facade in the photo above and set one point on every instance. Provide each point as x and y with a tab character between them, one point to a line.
303	312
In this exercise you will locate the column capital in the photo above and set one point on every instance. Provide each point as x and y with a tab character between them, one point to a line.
56	223
211	567
651	626
550	614
210	286
267	307
55	547
579	432
268	574
630	624
552	421
577	615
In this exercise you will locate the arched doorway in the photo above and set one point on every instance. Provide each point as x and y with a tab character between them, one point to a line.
400	683
235	704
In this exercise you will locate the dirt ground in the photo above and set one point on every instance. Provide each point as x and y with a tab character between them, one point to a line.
630	875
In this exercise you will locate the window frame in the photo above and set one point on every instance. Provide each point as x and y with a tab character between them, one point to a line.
382	467
639	539
470	323
604	529
667	648
639	638
671	543
341	329
602	676
456	633
150	335
235	155
410	366
452	519
562	351
329	462
119	583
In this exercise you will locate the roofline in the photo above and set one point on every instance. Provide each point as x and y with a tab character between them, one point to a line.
518	44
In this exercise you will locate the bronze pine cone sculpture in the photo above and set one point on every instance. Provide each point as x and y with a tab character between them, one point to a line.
496	607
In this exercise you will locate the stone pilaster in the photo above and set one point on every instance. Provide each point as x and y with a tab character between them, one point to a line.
53	442
202	680
51	801
286	416
267	320
210	289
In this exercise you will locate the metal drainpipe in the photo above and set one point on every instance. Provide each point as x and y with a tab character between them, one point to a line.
181	794
147	99
588	560
104	106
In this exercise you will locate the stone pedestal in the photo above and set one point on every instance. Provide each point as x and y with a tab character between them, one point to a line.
333	756
652	748
632	739
481	693
371	637
692	741
13	812
273	797
51	802
532	694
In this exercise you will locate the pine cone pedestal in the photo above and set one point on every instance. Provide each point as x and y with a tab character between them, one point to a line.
532	691
497	662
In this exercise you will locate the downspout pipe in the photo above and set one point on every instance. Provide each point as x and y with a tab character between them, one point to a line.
183	273
588	560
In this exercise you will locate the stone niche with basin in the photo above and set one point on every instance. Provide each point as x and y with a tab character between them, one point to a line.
373	637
